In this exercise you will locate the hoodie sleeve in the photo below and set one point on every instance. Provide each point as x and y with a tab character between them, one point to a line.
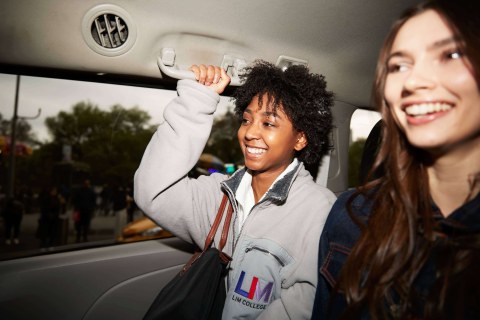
162	189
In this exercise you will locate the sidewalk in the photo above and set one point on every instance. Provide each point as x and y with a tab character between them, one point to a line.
101	228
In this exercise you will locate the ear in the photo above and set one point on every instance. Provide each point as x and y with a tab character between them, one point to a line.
301	141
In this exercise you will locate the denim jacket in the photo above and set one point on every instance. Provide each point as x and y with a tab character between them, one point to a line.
340	234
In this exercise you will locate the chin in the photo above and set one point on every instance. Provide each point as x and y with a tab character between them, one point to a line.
253	167
431	147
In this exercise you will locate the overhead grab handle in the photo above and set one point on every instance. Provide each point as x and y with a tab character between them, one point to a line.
233	66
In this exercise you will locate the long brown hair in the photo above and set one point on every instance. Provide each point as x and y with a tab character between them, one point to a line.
401	230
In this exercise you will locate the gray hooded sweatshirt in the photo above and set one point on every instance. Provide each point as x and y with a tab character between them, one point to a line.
273	273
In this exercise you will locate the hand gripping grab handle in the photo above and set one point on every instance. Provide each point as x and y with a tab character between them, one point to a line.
166	63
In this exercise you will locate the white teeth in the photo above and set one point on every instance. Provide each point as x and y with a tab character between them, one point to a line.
255	150
426	108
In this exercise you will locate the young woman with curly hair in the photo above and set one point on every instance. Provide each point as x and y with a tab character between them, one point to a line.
409	241
279	210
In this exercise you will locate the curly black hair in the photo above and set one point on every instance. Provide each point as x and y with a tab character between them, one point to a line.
301	95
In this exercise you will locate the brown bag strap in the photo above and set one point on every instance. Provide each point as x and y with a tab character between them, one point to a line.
213	230
216	223
226	226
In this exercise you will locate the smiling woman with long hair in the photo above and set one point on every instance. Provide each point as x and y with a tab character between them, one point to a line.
407	245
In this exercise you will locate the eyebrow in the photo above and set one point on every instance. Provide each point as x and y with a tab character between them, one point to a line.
274	114
443	42
435	45
266	113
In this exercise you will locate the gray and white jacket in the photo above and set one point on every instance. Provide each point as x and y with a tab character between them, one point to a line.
273	272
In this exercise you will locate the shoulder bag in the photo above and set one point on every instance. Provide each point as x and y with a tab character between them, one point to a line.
198	290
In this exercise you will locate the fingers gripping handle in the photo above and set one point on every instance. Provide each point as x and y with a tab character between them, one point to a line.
166	63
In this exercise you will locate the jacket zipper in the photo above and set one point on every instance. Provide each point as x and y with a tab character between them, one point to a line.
267	252
245	222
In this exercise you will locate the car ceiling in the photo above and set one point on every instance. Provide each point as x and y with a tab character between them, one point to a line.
340	39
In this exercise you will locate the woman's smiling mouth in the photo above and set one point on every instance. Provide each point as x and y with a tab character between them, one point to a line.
425	112
422	109
255	151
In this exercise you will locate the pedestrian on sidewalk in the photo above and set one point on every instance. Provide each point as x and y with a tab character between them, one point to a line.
84	203
12	215
51	203
119	199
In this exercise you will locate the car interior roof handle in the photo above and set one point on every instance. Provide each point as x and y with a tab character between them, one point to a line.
233	65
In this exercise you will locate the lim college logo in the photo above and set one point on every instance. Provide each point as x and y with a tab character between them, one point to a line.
252	291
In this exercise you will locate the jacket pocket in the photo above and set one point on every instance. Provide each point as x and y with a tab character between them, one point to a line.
268	253
258	267
334	261
258	276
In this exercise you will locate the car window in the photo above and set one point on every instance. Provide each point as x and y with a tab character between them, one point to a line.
70	131
361	124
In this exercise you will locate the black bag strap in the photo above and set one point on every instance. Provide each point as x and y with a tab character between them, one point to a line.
216	223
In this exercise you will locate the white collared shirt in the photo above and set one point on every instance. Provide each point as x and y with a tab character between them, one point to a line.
244	194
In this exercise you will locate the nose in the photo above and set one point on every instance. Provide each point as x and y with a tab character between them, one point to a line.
421	76
252	132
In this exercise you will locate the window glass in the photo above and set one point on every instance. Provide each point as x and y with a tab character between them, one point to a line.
72	133
361	124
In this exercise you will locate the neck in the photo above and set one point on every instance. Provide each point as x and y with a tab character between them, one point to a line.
261	182
452	174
